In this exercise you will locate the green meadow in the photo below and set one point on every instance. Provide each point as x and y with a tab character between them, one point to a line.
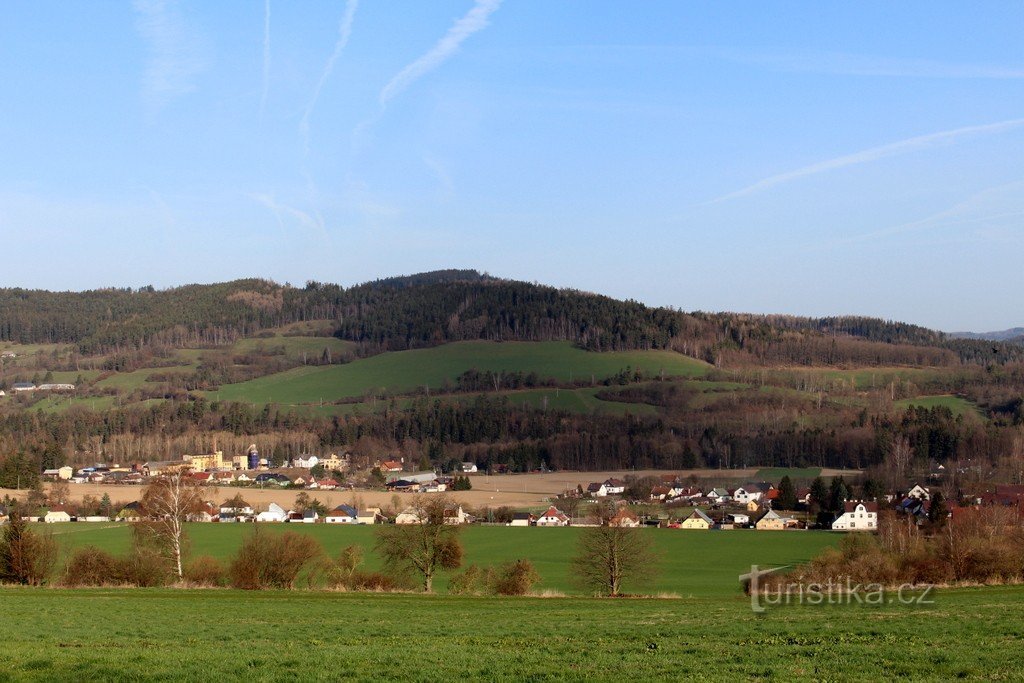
433	368
956	405
693	563
204	635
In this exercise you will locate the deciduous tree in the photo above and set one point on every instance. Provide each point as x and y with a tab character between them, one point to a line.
167	503
423	549
609	556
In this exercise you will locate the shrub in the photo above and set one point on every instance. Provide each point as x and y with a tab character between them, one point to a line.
206	571
145	569
90	566
515	578
272	561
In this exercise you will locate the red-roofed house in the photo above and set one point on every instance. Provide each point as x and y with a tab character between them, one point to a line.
553	517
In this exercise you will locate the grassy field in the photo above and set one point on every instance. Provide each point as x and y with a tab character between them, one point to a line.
957	405
410	370
774	474
694	563
101	634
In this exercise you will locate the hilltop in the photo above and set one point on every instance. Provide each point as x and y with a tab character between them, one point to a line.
461	365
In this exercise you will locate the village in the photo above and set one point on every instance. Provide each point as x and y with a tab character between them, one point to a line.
668	500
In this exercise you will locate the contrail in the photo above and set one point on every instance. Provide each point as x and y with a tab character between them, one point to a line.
344	32
474	20
266	56
873	154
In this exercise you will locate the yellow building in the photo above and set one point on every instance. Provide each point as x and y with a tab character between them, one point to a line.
697	520
201	463
771	521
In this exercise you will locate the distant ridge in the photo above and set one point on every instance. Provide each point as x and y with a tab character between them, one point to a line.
1014	334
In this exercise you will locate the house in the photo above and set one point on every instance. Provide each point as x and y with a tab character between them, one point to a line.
327	484
803	495
614	487
434	487
411	515
697	519
242	476
58	513
597	489
456	516
857	516
207	513
522	519
221	478
770	521
236	510
333	463
717	496
343	514
201	477
64	473
132	512
553	517
8	354
19	387
306	462
660	492
469	468
752	506
273	513
624	518
738	519
390	466
310	517
745	494
919	492
370	516
205	461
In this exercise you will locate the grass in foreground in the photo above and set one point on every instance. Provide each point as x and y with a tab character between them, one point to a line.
100	634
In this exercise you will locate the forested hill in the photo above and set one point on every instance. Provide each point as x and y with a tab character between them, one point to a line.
454	305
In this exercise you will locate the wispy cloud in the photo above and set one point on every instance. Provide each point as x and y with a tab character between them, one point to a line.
475	20
266	56
344	33
313	223
175	54
873	154
845	64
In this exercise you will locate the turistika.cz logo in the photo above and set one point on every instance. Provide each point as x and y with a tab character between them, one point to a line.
840	591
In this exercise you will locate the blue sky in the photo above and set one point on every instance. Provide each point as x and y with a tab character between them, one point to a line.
808	158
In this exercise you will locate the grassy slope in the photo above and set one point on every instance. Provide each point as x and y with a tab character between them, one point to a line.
107	634
957	405
409	370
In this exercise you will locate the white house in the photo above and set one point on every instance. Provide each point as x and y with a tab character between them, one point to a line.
455	516
469	467
310	517
231	511
614	487
857	516
597	490
718	495
745	494
306	462
410	516
919	492
738	519
273	513
57	514
553	517
343	514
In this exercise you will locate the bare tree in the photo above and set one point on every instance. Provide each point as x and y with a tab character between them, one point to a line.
608	556
60	493
167	503
423	549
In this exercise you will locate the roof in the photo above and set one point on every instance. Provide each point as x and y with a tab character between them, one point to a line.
700	514
554	512
614	482
851	505
343	510
522	515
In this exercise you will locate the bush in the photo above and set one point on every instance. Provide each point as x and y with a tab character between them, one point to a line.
145	569
515	578
206	571
272	561
90	566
